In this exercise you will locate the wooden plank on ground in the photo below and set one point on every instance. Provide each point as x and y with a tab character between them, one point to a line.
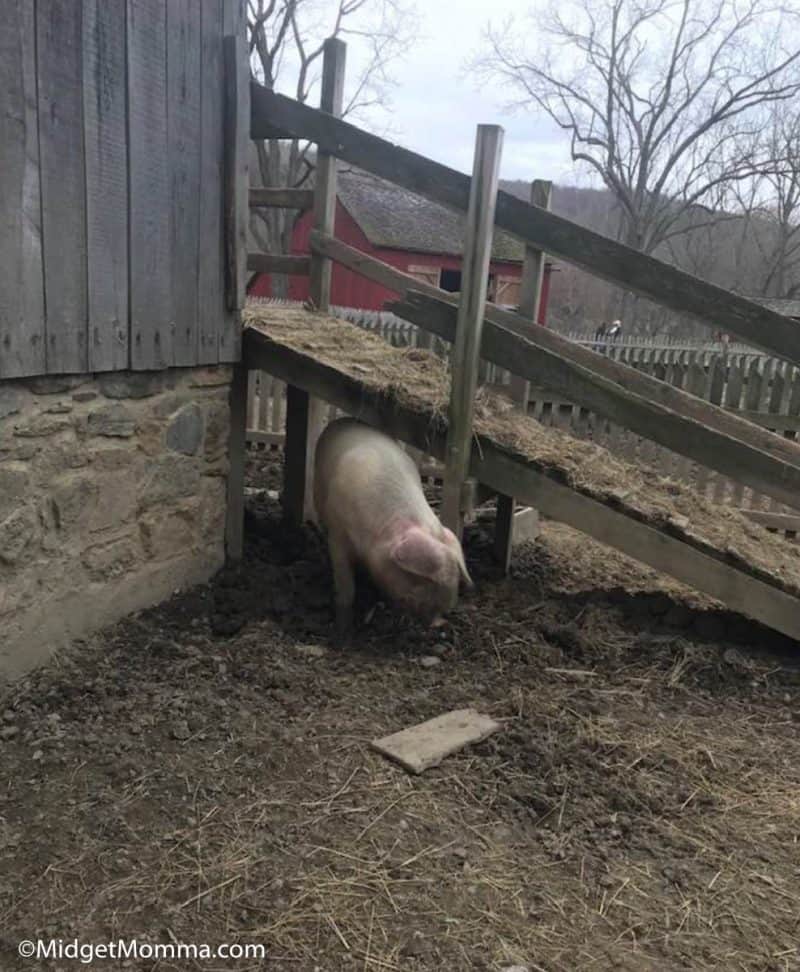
469	322
59	57
22	325
150	259
682	557
211	269
185	83
424	746
600	255
105	138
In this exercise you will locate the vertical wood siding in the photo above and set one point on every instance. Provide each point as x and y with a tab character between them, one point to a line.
112	249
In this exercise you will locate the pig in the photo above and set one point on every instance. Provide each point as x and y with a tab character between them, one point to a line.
369	500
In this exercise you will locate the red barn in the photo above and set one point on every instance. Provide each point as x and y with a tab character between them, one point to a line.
419	237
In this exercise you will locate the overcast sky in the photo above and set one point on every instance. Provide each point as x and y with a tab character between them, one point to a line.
437	107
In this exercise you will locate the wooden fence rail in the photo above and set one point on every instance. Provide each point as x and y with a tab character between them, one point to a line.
274	115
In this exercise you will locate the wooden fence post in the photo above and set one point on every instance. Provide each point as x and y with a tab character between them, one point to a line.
512	523
237	142
305	415
466	352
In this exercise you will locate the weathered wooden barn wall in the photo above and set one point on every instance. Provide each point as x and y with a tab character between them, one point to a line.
112	185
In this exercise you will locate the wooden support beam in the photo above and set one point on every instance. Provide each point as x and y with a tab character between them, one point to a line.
311	411
622	265
651	408
331	102
509	517
682	558
467	350
280	198
237	148
279	263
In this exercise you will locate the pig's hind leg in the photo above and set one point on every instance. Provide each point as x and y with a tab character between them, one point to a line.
344	587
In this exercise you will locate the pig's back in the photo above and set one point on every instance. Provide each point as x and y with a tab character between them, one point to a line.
362	477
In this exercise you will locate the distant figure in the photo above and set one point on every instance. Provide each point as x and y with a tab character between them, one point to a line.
600	336
615	330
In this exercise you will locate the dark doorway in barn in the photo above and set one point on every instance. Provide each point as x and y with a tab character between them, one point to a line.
450	281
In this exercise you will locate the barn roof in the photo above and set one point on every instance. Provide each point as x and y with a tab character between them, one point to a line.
398	219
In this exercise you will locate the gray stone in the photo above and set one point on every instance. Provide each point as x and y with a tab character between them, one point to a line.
430	661
60	408
217	426
56	384
115	503
8	732
41	426
170	534
211	377
72	500
84	396
311	651
185	431
10	401
111	458
114	421
165	406
181	730
109	560
169	478
14	483
16	533
132	384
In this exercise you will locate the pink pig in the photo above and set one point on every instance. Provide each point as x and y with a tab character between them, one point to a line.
368	497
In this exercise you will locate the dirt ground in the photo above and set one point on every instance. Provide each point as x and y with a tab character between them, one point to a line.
202	773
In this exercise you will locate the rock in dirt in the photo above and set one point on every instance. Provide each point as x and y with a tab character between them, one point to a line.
227	625
427	744
8	732
181	730
430	661
311	651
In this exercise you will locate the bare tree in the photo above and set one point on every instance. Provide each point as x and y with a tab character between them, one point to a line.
778	208
286	43
661	98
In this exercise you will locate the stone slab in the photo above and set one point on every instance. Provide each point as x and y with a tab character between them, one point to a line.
425	745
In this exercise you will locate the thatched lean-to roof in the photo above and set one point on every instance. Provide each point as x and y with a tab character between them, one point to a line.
398	219
788	306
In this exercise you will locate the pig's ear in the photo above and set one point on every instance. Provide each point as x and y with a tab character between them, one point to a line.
418	553
452	541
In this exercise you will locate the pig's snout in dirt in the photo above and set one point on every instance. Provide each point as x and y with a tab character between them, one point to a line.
369	499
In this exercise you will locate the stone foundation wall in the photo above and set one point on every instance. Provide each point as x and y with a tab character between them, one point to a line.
112	495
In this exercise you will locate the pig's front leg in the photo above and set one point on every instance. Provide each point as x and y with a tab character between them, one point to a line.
344	587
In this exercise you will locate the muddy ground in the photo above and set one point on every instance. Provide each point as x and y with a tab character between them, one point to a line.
202	773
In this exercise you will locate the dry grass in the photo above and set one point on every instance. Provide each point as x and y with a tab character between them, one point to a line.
419	380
